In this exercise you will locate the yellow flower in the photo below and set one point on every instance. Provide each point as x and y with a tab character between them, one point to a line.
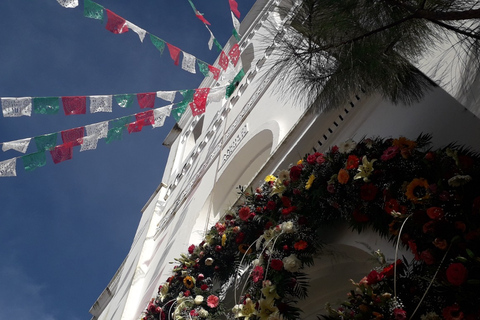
299	162
224	239
365	169
309	183
270	178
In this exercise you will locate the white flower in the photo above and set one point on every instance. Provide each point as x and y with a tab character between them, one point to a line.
208	261
459	180
163	291
198	299
347	146
284	175
288	227
203	313
291	263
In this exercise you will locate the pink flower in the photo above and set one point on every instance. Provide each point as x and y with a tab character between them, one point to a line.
257	274
390	153
220	227
212	301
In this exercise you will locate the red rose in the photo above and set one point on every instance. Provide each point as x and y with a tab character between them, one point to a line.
368	192
271	205
374	277
427	257
311	159
191	248
287	211
399	314
456	273
239	238
204	287
244	213
435	213
286	202
352	162
295	172
276	264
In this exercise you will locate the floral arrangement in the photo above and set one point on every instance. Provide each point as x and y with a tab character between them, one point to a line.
426	200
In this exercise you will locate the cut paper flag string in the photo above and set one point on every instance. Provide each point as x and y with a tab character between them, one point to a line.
87	137
75	105
118	25
68	3
198	14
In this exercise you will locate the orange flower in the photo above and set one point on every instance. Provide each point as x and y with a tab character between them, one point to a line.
417	190
343	176
300	245
404	143
243	248
188	282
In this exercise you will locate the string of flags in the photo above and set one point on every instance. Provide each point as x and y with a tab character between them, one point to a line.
75	105
118	25
87	137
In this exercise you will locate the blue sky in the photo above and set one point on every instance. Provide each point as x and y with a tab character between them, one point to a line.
66	228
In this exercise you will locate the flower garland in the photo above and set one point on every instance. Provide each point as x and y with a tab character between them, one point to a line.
427	199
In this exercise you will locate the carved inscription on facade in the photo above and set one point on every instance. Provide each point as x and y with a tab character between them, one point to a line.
230	150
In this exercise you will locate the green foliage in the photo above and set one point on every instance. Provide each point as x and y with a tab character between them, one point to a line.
335	48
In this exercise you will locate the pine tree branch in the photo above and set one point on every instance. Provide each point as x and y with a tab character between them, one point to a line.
366	35
454	29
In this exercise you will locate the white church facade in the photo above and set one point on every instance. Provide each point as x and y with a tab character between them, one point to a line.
242	139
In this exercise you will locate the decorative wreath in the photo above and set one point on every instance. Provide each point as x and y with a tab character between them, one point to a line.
423	199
